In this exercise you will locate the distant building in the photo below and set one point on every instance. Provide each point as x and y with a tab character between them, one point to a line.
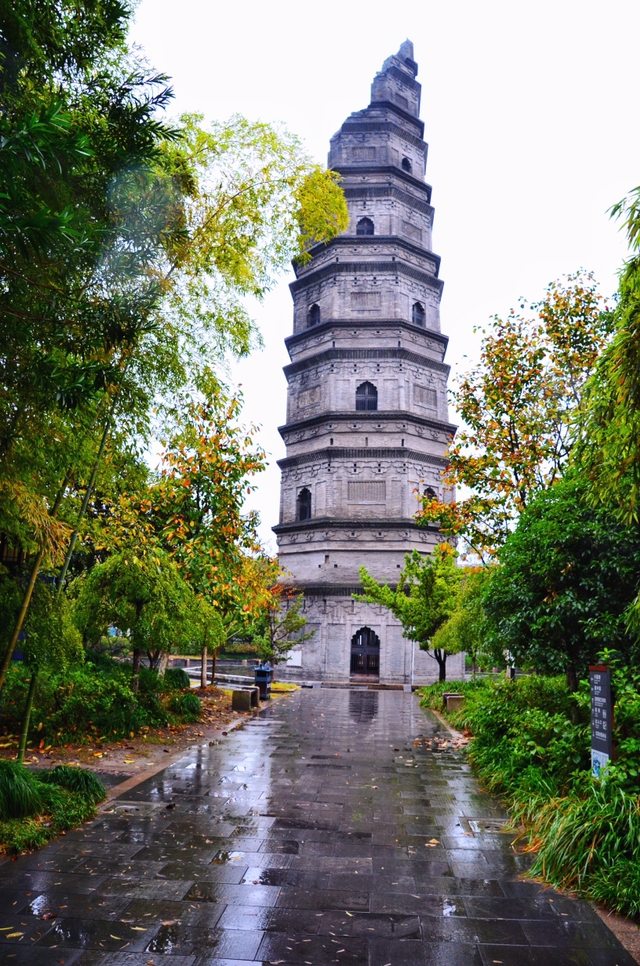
367	421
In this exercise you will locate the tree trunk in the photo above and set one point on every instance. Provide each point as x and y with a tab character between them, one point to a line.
135	673
27	716
21	616
441	658
203	670
162	662
214	655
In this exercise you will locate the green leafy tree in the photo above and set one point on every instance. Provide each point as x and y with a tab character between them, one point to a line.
423	599
465	630
569	573
519	408
609	448
51	639
127	248
144	596
208	633
280	627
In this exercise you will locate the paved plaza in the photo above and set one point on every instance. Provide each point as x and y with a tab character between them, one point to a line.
336	827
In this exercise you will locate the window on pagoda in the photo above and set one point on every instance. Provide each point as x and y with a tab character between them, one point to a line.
304	504
365	227
366	397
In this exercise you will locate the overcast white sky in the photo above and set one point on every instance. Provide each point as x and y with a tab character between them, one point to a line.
531	115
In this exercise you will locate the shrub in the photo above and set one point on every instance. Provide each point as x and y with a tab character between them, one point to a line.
19	792
93	700
85	784
188	706
176	679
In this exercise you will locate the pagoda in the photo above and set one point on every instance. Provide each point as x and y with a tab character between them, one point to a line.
367	424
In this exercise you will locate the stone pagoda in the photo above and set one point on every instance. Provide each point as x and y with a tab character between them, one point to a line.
367	423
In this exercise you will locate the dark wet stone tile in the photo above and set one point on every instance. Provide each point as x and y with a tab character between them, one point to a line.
69	882
149	910
422	905
76	906
26	956
369	925
21	930
334	864
414	953
520	888
145	888
133	959
181	938
566	932
95	933
459	929
231	872
533	907
371	883
276	947
300	878
320	899
538	956
289	921
113	867
610	957
175	853
260	895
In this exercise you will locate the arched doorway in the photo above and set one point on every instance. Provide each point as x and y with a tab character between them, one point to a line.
365	652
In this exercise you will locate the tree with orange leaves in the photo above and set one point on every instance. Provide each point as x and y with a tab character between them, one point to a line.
196	499
519	408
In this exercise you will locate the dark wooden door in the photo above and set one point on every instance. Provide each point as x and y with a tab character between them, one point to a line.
365	652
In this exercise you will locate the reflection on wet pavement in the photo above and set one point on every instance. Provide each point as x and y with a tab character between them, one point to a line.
330	829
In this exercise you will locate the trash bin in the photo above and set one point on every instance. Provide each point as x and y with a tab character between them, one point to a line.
262	676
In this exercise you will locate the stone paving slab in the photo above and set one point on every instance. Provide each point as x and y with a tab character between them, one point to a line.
327	831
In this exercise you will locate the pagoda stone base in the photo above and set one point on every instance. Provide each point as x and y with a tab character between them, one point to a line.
327	655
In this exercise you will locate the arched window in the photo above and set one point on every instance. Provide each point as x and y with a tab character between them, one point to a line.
313	315
406	165
430	493
366	396
304	504
418	314
364	227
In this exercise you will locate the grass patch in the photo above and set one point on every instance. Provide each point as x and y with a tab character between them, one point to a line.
35	808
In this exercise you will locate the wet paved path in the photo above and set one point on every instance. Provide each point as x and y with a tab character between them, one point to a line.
328	830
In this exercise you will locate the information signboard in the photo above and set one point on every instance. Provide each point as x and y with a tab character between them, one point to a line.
601	718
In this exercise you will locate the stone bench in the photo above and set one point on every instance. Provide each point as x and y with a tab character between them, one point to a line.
244	699
451	700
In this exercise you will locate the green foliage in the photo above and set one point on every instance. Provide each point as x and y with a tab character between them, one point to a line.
80	703
280	627
19	792
424	598
519	408
144	595
176	679
35	808
84	783
589	843
465	628
188	706
568	575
